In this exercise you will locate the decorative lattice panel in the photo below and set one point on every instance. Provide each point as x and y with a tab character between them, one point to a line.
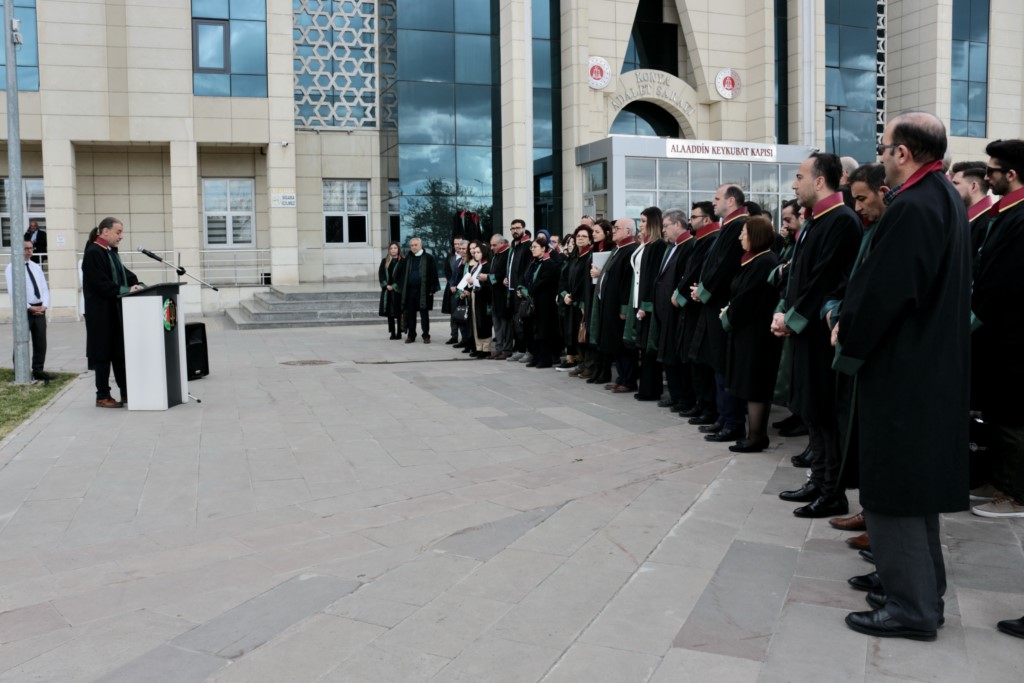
880	74
336	76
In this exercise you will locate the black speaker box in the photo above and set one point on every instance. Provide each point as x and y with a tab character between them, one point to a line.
196	356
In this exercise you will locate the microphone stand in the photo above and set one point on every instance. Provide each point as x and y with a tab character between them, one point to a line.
178	269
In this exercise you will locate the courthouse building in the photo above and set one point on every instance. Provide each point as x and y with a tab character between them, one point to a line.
284	142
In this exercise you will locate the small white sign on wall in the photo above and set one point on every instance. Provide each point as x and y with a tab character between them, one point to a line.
283	198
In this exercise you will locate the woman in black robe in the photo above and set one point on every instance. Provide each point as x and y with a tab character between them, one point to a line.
540	284
476	286
390	307
642	315
576	294
600	370
752	360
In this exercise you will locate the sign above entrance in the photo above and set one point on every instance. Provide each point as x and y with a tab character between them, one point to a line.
720	151
599	72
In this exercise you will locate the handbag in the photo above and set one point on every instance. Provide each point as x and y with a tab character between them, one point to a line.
526	309
460	313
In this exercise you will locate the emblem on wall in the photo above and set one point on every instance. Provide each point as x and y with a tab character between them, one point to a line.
727	83
170	315
599	72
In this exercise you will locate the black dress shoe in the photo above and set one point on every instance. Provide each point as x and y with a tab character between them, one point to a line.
710	429
452	340
867	556
876	599
1012	627
725	436
692	411
825	506
667	403
745	446
802	460
866	582
44	377
533	363
799	430
704	419
786	422
807	493
878	623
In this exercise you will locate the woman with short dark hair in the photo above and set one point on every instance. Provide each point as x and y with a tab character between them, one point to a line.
540	285
753	351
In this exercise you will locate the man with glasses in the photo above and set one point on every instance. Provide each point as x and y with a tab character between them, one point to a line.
500	309
613	285
676	230
38	301
518	260
904	338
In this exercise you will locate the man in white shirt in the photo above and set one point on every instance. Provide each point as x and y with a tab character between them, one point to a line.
38	299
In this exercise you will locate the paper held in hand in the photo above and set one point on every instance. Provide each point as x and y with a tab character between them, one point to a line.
599	259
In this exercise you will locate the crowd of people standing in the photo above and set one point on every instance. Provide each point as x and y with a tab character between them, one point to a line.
880	315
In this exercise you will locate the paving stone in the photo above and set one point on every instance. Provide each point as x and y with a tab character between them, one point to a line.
373	664
499	661
816	639
445	626
359	607
691	666
509	576
601	664
28	622
422	580
166	663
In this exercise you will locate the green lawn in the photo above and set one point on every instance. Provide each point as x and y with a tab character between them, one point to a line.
18	401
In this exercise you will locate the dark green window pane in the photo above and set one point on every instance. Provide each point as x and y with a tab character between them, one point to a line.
433	108
431	15
472	16
958	100
859	87
473	59
863	13
979	20
473	115
248	47
249	9
248	86
979	62
831	45
961	19
210	9
542	135
961	59
426	56
858	48
216	85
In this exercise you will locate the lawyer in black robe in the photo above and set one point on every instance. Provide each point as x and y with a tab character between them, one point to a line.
390	306
691	313
540	283
417	283
752	351
612	290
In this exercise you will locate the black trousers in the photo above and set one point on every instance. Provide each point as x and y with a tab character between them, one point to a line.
825	457
103	377
650	375
626	367
410	314
704	386
680	384
37	332
908	559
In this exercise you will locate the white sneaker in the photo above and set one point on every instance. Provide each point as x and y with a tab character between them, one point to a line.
514	358
985	493
1000	507
526	358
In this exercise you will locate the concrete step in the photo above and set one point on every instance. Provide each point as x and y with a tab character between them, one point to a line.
295	294
288	304
242	321
258	311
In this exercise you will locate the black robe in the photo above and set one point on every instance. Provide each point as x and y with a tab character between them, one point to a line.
429	282
998	344
480	310
389	304
613	289
666	315
824	255
498	266
720	267
753	351
904	336
104	279
692	312
452	275
650	265
577	284
540	283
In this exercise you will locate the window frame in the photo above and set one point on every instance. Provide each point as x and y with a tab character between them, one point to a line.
345	213
28	215
229	215
226	47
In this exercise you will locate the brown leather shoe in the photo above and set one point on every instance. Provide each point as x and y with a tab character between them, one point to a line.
586	374
619	389
860	542
108	403
410	340
851	523
500	356
611	386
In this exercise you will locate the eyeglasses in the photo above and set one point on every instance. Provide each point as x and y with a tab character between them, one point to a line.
880	149
696	217
989	170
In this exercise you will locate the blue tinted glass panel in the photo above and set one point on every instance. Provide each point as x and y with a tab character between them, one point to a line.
979	20
977	94
863	13
958	99
831	45
542	153
542	118
475	168
976	129
21	3
961	19
958	128
856	135
426	56
857	48
218	85
834	93
425	167
472	16
28	53
859	87
542	18
431	15
831	13
979	62
248	47
961	59
473	115
210	46
542	63
249	9
473	59
28	78
210	9
433	109
632	61
831	126
248	86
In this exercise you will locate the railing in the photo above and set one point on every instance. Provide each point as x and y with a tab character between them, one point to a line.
239	267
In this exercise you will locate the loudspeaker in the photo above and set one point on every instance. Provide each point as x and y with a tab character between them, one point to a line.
197	359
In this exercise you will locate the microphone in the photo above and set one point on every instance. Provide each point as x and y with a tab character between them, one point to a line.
147	252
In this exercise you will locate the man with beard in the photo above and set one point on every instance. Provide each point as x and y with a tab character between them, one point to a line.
518	259
906	313
970	181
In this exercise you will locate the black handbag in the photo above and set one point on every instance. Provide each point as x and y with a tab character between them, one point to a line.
460	312
526	309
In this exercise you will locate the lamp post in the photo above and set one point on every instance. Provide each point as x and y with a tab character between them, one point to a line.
19	301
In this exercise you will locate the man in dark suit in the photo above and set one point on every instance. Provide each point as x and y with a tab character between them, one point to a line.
37	236
417	282
906	312
613	286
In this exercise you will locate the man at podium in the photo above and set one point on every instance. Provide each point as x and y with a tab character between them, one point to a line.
104	279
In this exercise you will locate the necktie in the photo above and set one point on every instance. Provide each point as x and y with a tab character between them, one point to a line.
35	285
668	255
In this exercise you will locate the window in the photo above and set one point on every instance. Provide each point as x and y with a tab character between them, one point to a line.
28	52
229	48
229	217
346	211
969	94
33	205
853	77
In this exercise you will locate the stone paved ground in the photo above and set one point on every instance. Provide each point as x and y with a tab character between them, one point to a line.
430	519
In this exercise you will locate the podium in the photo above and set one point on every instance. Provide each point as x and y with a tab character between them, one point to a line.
154	348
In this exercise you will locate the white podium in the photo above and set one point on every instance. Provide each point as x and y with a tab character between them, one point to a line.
154	348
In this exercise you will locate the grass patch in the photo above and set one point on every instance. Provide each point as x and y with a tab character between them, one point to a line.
19	401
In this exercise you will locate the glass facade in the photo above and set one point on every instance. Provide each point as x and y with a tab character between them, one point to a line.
851	65
781	72
335	64
33	205
645	118
28	52
547	117
229	48
653	44
969	96
444	95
